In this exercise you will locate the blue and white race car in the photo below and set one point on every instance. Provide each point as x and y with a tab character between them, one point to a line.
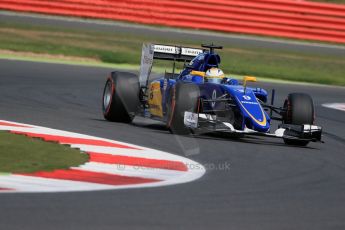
201	99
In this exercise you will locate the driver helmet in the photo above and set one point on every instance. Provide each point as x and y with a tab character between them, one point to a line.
214	75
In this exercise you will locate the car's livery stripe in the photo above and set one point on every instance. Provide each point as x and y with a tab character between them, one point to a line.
264	120
91	177
112	165
137	161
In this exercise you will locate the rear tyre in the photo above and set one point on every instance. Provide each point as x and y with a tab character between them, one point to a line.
183	97
121	97
299	109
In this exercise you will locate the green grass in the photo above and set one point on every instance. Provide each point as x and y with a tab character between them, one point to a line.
20	154
316	69
121	48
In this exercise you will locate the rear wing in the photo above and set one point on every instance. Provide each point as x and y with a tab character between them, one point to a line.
175	53
163	52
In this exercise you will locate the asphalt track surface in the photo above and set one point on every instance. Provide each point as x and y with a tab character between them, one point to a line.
250	183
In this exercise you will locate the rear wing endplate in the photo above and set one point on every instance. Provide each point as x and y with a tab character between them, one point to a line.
163	52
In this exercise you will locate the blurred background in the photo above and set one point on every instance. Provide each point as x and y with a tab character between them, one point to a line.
260	37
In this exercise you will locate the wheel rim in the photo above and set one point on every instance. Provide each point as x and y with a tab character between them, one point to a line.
107	95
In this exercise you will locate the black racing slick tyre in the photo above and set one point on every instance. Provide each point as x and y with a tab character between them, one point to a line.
299	110
183	97
121	97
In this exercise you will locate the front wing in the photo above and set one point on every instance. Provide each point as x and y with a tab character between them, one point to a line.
206	123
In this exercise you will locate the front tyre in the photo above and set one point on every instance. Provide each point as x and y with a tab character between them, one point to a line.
183	97
121	97
299	109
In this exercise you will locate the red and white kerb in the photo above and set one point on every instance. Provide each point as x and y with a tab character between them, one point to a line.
337	106
112	165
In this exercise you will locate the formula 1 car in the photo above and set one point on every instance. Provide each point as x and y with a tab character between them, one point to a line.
187	102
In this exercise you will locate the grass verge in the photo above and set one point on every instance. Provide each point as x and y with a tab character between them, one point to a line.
122	48
20	154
